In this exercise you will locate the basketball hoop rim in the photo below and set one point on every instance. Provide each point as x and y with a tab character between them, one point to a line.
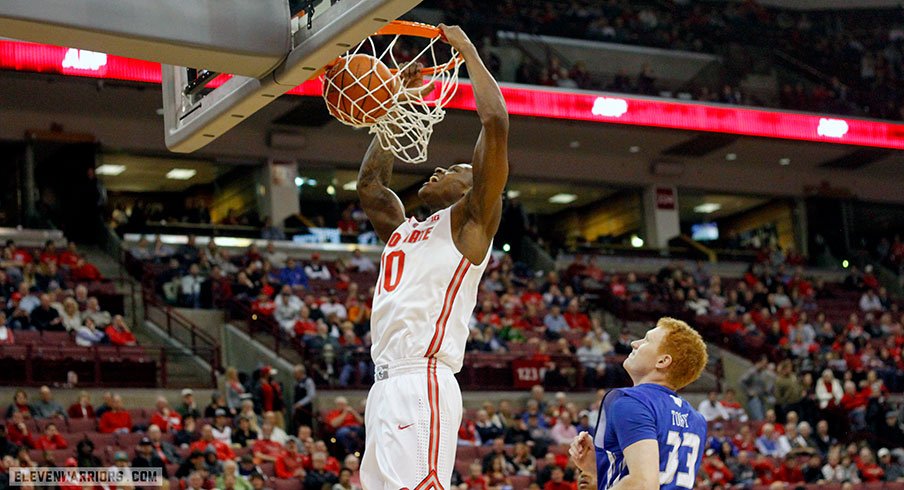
414	29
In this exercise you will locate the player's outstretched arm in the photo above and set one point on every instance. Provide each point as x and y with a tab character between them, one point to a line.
490	161
382	206
642	459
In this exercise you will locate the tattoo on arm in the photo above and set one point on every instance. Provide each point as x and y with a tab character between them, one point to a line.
380	203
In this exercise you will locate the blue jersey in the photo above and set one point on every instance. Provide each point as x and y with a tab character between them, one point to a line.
650	411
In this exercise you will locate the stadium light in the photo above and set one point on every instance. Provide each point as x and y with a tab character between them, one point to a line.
563	198
181	173
108	169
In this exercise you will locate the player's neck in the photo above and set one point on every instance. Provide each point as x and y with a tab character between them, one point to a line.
653	378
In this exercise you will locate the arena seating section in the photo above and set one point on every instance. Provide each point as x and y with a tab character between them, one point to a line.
46	357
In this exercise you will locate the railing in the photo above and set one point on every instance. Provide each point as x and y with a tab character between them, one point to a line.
251	323
176	326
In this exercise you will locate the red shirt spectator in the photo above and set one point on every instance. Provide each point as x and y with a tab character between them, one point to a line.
119	333
347	419
578	321
717	471
17	433
168	420
767	471
68	258
265	390
84	271
870	281
51	440
48	256
870	472
263	306
532	297
306	327
267	448
114	420
290	463
22	256
80	411
224	452
476	482
732	327
467	433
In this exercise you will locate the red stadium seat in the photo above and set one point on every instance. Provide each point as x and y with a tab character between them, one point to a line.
284	484
129	440
78	426
521	482
467	452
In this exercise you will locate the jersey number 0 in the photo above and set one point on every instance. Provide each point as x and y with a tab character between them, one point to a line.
393	266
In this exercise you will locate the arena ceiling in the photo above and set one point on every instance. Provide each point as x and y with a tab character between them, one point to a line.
124	117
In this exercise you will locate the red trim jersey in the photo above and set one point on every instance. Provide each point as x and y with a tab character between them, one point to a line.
425	294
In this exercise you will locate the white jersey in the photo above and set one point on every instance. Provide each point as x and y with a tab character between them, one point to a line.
425	294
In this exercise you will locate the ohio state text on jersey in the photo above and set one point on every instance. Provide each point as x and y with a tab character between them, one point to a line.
425	294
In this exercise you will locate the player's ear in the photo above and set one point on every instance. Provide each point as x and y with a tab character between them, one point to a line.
664	361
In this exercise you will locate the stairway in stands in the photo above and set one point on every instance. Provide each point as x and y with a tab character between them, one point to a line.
182	368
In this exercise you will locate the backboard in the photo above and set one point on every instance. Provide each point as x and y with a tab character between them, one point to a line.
201	104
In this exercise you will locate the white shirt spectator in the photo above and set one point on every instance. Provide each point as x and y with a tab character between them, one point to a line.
86	336
363	264
279	435
224	436
337	308
825	395
276	258
712	410
870	302
286	313
29	303
191	285
563	433
317	271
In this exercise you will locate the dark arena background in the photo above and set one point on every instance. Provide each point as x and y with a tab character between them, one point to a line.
187	273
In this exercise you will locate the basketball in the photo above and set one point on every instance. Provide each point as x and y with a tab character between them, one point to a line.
358	89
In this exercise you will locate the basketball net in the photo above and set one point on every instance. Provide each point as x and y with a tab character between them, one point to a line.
406	127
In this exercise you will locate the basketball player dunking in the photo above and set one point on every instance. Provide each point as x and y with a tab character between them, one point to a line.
426	292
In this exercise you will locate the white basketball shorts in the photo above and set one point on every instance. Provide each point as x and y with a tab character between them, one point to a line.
412	417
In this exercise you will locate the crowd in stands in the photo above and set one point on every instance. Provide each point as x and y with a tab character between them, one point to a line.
48	290
247	437
856	53
324	308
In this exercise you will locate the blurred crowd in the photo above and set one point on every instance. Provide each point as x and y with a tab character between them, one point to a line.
49	290
845	62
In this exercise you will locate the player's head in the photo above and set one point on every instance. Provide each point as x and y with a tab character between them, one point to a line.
446	186
672	354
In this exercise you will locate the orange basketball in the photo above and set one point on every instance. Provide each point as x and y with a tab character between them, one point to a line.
358	89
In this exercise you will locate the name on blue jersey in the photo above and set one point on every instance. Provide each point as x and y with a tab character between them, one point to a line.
679	419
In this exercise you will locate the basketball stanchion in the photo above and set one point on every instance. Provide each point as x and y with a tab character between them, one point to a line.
363	88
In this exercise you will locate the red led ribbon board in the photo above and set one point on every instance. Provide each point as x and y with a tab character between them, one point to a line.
523	101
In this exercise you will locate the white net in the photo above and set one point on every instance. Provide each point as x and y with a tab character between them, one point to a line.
403	117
